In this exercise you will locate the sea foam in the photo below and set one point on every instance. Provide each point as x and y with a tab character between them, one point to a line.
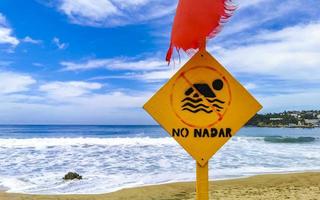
50	142
37	165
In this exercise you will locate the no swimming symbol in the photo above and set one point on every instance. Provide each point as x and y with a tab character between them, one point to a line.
194	103
200	96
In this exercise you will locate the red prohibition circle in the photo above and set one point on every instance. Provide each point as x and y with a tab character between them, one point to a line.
220	116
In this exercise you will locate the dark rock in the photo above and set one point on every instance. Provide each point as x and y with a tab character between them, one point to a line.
72	176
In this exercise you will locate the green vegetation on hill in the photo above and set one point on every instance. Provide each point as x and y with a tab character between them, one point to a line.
305	119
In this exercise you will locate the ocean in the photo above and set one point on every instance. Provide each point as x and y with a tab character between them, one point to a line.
34	159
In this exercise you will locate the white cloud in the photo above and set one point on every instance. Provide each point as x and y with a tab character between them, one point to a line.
6	37
153	76
84	94
151	70
3	20
291	53
28	39
6	33
114	12
113	100
68	102
11	82
38	64
254	15
250	86
242	4
57	90
294	101
74	102
116	64
156	76
88	10
4	63
110	108
59	44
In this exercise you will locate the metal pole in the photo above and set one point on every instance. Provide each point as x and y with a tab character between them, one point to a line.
202	185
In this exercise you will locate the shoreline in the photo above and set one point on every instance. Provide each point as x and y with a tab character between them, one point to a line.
269	186
5	189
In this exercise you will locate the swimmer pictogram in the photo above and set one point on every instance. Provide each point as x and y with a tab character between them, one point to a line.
193	102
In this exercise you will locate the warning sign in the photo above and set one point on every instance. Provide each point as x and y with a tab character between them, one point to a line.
202	106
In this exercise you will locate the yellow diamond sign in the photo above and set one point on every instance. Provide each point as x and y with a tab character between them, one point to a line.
202	106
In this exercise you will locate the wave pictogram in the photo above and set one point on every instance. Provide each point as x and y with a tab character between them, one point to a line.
217	106
198	110
215	100
192	100
194	105
203	97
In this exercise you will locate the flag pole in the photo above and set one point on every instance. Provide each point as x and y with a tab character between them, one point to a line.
203	44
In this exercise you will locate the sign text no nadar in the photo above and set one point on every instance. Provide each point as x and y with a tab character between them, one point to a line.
202	132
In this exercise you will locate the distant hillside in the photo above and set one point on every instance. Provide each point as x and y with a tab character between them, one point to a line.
304	119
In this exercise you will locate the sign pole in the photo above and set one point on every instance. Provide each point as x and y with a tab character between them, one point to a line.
202	182
202	185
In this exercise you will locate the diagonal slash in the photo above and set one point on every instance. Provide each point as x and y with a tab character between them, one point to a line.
201	96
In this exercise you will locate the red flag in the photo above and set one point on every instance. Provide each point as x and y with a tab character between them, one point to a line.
197	20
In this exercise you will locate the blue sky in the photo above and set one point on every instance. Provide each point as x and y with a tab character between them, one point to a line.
98	61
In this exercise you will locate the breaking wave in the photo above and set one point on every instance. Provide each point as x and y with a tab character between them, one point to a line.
122	157
280	139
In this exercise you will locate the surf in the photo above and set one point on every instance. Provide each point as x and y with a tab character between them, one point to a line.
280	139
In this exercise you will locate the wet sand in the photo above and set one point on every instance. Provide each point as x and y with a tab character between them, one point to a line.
304	186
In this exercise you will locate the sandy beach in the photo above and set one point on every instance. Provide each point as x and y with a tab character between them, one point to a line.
304	186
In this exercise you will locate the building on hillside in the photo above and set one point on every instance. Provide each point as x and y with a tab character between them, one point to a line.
276	119
291	125
296	115
314	122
